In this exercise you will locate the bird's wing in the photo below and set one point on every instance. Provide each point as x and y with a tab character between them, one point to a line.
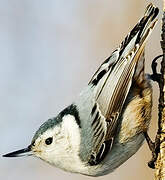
112	81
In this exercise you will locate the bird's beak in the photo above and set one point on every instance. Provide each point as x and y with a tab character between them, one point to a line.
23	152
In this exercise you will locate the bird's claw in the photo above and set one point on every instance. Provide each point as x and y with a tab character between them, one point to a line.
155	76
154	147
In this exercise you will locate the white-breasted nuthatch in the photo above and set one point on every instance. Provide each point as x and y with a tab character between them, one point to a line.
104	126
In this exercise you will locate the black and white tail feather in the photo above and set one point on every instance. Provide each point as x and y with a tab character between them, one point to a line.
110	86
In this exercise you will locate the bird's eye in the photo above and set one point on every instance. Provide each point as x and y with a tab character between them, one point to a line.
49	141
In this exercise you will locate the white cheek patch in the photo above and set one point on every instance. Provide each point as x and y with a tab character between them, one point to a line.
71	130
64	151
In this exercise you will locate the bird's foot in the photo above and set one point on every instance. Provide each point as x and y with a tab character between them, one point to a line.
155	76
154	147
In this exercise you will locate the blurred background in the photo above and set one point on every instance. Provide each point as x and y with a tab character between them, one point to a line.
48	52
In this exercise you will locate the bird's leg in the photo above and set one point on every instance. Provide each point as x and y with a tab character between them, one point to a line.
149	141
155	76
154	147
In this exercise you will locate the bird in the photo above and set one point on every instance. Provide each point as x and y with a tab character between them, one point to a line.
105	124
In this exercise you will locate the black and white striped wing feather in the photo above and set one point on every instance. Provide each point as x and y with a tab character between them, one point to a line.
112	81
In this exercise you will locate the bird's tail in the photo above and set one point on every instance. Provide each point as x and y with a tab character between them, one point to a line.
141	33
133	45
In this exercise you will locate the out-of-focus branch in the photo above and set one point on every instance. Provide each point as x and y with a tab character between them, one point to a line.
163	5
160	162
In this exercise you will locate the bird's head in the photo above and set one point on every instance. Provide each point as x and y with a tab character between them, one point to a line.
45	142
57	142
